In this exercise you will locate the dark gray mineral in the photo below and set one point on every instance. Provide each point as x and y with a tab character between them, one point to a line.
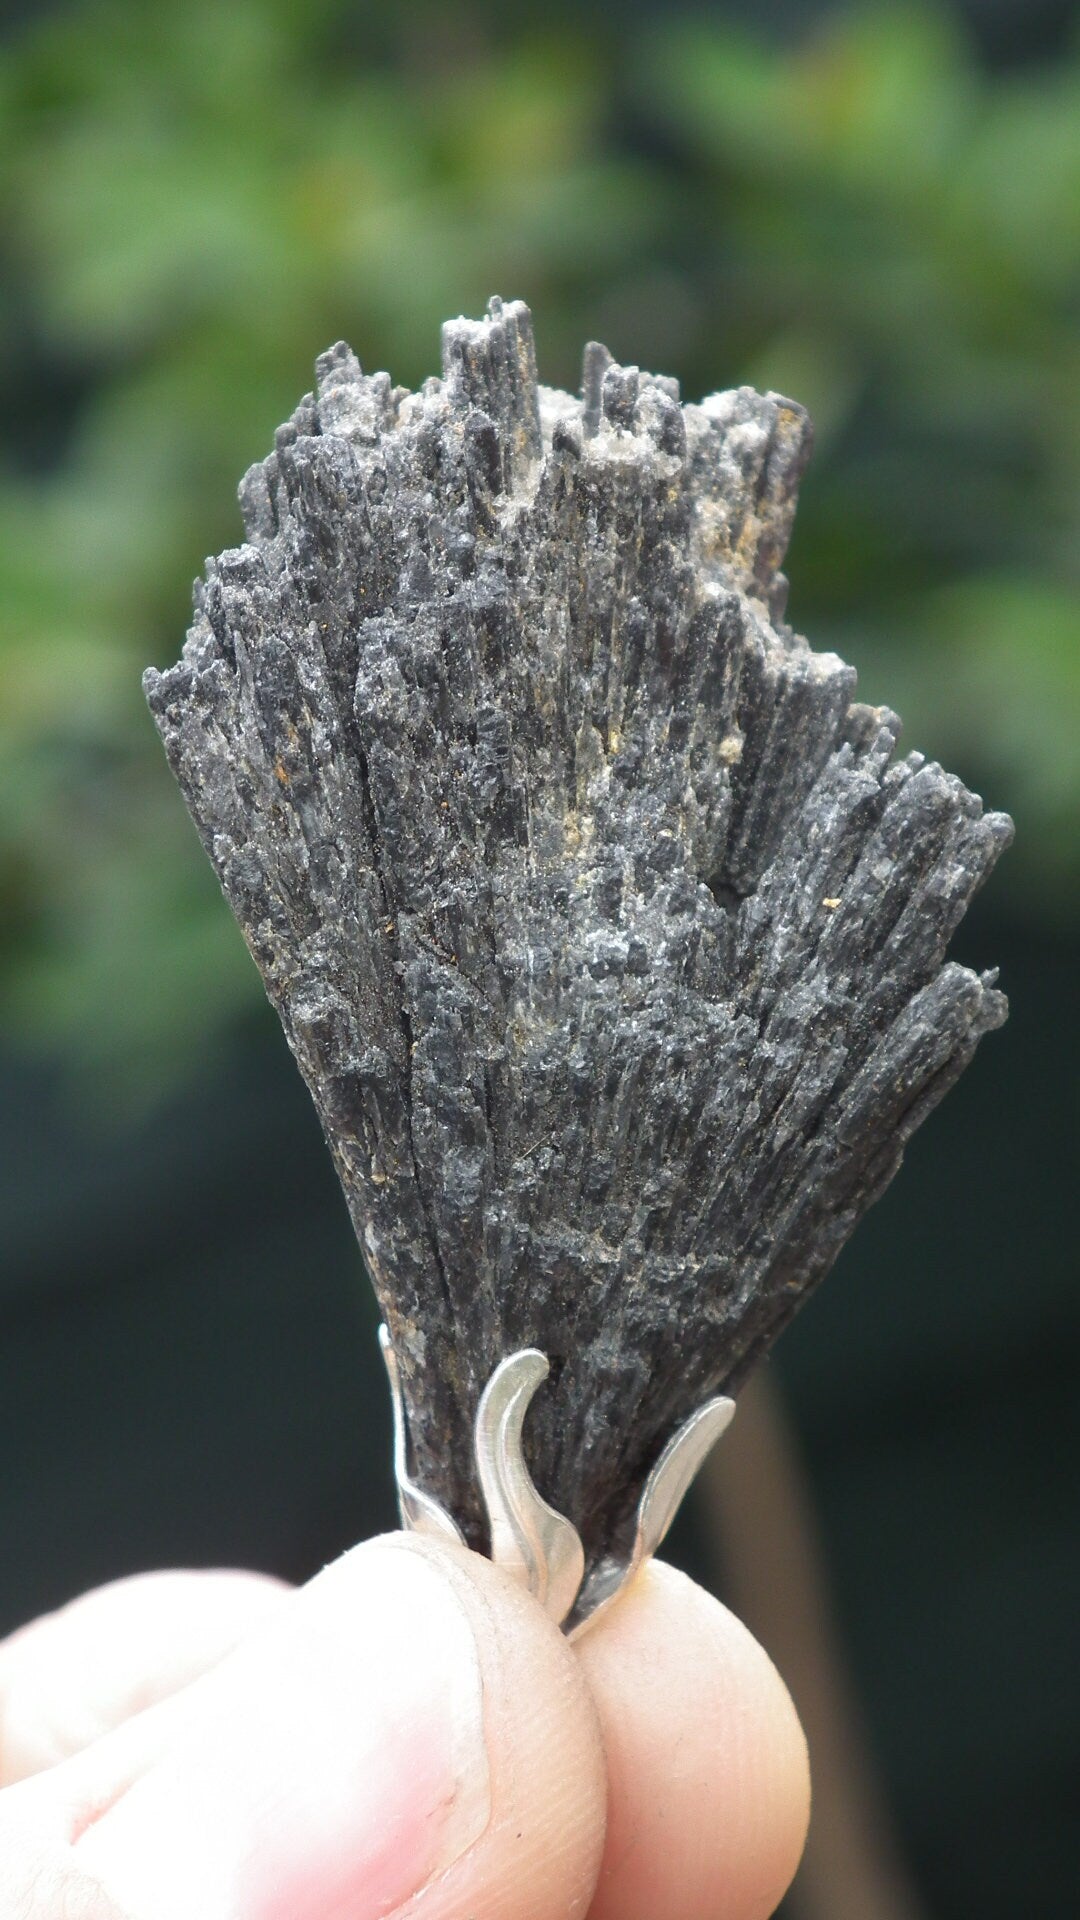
606	930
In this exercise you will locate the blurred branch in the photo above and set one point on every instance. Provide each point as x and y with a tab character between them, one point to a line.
757	1512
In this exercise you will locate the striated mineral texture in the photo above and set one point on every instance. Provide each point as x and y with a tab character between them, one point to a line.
606	929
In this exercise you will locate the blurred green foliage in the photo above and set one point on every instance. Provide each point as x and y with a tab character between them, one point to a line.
194	201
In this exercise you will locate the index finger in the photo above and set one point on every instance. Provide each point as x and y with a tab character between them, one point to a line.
708	1779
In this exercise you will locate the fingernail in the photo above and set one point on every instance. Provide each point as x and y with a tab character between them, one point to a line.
338	1763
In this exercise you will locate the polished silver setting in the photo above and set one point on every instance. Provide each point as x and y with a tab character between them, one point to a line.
529	1540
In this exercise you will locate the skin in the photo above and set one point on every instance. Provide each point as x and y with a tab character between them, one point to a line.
406	1736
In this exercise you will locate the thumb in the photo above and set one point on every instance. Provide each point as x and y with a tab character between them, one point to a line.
72	1676
407	1724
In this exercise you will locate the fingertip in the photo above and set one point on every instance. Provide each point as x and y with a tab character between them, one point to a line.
709	1787
74	1675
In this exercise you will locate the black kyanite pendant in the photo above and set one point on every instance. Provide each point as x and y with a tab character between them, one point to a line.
606	929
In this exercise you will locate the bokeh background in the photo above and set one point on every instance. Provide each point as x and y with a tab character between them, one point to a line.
875	210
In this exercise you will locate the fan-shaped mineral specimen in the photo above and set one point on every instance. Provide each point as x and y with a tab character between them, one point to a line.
605	928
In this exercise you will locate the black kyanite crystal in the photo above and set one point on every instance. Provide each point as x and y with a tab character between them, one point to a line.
606	930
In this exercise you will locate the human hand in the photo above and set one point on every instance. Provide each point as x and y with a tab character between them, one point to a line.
406	1735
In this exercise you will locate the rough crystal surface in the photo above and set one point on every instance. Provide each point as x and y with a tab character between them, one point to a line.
605	927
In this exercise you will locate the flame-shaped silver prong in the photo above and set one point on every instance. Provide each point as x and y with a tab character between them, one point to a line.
528	1538
419	1512
663	1494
